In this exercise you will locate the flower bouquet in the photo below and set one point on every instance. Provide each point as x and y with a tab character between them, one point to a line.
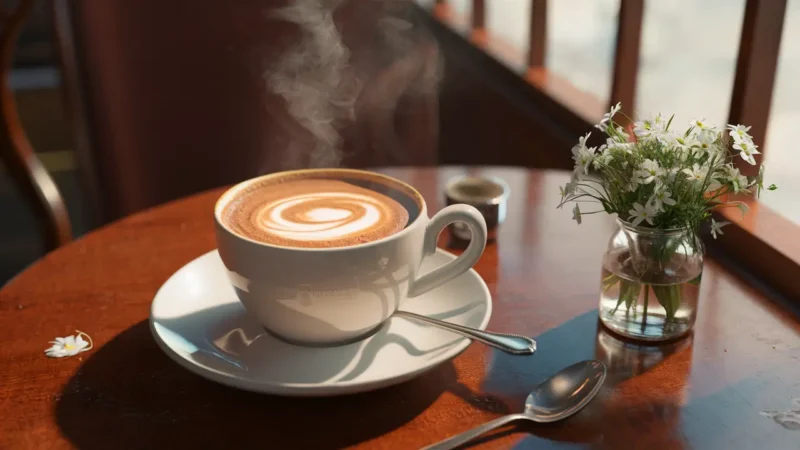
662	184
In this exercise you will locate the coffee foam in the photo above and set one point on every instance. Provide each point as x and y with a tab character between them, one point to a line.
313	212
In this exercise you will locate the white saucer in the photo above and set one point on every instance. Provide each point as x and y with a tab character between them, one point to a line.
199	322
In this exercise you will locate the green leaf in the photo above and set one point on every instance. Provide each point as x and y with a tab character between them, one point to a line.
772	187
630	299
669	297
609	282
666	251
628	293
696	280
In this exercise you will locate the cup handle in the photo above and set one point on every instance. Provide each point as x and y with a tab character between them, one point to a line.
453	213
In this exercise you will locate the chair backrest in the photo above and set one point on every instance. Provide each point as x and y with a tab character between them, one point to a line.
171	98
16	152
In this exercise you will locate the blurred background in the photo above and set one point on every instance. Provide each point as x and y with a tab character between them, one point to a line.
36	82
686	67
687	64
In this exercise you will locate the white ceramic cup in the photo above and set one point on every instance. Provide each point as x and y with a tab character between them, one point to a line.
333	296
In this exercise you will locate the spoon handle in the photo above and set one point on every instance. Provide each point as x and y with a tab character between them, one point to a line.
509	343
469	435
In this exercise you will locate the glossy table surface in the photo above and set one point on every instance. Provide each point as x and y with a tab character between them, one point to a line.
733	384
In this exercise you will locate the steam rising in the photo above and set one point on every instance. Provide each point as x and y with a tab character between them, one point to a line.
315	79
323	90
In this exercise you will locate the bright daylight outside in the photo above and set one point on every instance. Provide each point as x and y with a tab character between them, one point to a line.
687	65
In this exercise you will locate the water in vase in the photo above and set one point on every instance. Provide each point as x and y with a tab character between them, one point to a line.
659	306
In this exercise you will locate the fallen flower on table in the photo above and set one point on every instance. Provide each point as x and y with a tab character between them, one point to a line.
70	345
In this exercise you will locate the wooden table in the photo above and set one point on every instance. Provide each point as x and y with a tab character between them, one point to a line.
704	392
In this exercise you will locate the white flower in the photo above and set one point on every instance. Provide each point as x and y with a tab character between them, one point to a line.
650	128
747	149
649	171
758	182
568	189
671	173
664	138
604	158
69	346
571	187
683	146
701	124
612	144
643	128
685	142
576	214
582	140
615	109
706	138
640	213
739	133
583	158
736	179
696	173
716	227
660	198
608	116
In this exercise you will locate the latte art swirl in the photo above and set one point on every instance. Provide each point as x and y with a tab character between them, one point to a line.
322	216
315	213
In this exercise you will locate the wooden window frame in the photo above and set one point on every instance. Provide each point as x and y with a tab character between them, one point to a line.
759	246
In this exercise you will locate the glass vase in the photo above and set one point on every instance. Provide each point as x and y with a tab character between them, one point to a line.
650	282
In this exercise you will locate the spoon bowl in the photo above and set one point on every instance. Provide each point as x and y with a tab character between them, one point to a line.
566	392
556	398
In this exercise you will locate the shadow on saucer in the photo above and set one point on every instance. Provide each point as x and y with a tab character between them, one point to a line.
382	339
129	394
227	339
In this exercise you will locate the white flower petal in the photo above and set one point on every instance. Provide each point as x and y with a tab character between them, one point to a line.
56	352
67	346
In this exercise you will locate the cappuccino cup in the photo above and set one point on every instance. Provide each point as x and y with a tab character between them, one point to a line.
324	257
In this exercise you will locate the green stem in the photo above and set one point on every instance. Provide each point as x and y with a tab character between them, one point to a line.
646	301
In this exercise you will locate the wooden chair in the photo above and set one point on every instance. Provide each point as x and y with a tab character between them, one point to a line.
169	99
15	149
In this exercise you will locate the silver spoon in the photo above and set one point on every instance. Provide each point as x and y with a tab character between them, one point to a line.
509	343
555	398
